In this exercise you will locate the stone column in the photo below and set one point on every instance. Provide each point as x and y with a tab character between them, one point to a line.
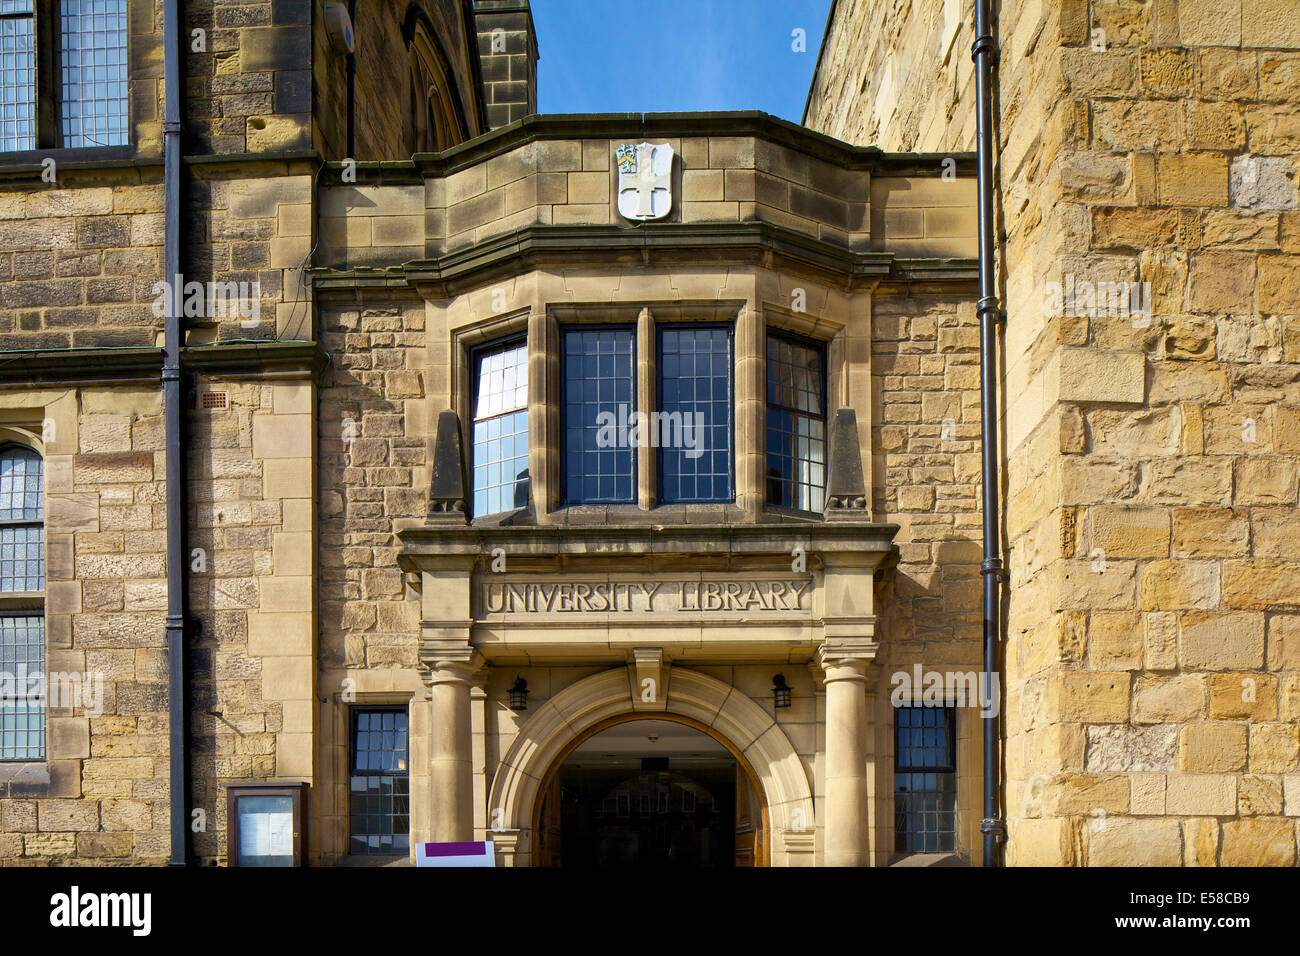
451	774
848	826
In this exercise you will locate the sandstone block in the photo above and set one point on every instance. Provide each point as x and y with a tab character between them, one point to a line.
1201	794
1261	841
1218	641
1127	842
1212	748
1168	699
1274	748
1239	696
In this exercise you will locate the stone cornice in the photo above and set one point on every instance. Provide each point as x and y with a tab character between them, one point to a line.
124	164
111	366
662	244
570	126
466	544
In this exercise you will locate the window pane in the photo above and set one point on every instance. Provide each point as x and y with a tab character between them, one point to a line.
92	56
21	488
796	424
22	714
17	78
500	444
925	781
695	402
599	399
379	788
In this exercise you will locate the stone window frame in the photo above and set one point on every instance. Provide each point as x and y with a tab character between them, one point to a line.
645	318
968	759
831	338
750	320
339	728
350	711
473	355
435	112
48	113
32	775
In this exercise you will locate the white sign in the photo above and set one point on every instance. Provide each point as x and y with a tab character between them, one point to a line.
645	180
266	834
474	853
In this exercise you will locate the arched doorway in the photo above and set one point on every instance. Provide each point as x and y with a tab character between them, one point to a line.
651	791
778	774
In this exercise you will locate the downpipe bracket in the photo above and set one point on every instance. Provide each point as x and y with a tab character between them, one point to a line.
994	567
996	826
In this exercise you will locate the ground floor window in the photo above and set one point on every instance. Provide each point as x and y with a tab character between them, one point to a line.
22	713
380	790
925	779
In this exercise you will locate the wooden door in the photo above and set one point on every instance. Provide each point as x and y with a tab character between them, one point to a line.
548	832
749	823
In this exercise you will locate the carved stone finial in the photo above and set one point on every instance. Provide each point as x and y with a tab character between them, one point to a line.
448	481
846	491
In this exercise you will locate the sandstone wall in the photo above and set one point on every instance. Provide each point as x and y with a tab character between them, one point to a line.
926	478
1151	457
897	75
249	82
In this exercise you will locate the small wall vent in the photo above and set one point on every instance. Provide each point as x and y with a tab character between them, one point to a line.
213	401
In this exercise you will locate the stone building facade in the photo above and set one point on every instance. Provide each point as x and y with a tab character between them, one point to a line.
1152	677
414	290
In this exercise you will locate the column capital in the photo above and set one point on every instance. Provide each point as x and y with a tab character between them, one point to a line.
846	658
450	665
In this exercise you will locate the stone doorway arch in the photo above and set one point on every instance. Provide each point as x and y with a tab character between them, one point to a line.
716	708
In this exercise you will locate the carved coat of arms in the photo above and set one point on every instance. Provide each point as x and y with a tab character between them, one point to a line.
645	182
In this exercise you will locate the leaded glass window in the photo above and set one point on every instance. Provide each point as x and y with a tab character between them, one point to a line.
81	99
93	68
925	780
22	712
500	451
17	75
695	402
22	632
380	792
22	512
796	423
599	400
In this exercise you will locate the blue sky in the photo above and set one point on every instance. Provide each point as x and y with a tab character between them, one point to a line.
646	56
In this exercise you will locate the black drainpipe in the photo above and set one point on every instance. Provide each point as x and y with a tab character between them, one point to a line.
352	84
985	53
174	415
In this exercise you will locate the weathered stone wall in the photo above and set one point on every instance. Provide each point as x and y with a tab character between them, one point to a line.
373	450
575	181
926	477
80	259
253	561
507	49
897	75
249	86
1151	460
383	119
101	794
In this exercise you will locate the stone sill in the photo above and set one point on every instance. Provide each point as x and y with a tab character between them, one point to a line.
928	859
24	779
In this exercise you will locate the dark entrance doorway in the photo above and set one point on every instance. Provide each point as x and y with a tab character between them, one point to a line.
652	793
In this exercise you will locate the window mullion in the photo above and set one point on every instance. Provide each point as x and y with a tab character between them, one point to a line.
46	36
646	403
